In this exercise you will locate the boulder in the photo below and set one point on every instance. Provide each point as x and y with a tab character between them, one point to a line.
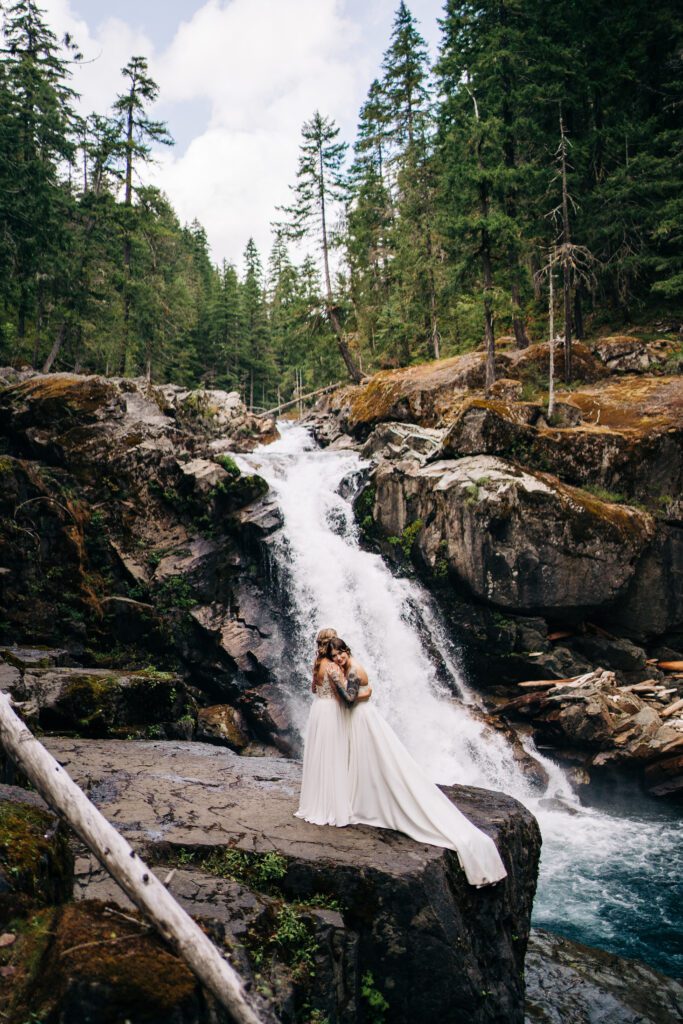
599	436
431	394
403	911
395	441
519	540
622	353
104	702
222	724
569	983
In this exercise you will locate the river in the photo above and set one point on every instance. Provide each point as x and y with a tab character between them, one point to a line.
611	865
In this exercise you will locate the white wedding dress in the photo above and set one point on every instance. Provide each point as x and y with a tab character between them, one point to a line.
324	796
388	789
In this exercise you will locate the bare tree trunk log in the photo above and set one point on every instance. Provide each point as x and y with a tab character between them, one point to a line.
551	344
116	856
54	351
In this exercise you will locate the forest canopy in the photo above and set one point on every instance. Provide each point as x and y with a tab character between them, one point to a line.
546	138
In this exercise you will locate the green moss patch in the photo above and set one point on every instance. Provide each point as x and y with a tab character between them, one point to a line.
127	971
34	854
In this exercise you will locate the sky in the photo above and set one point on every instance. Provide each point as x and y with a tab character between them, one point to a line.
237	79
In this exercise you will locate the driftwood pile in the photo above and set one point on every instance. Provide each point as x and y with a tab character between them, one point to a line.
641	723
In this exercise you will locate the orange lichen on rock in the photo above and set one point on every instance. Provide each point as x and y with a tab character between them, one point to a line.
634	404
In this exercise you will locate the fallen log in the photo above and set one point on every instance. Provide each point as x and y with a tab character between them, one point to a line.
116	855
670	666
672	709
546	684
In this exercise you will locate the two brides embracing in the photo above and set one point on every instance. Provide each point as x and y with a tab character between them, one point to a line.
357	772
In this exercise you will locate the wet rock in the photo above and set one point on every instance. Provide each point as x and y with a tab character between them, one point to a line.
410	906
519	540
568	983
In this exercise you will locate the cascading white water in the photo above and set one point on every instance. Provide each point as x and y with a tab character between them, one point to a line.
598	869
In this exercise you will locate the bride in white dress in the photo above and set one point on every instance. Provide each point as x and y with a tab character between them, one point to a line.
325	795
388	789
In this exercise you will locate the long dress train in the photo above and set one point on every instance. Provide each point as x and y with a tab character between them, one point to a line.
390	790
325	796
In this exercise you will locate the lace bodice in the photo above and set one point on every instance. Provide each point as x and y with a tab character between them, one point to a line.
329	682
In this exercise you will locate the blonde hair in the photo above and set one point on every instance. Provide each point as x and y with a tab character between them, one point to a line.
321	641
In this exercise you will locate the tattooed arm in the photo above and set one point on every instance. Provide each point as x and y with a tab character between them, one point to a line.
349	693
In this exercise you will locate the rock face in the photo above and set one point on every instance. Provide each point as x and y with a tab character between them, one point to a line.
404	912
568	983
601	436
517	539
125	537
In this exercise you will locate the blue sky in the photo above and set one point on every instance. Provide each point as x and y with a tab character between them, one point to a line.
237	79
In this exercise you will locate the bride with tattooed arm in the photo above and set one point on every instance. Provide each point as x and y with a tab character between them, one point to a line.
388	789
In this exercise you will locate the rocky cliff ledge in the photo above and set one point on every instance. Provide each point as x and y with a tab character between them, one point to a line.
353	924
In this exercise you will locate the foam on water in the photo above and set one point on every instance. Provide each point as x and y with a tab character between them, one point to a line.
607	879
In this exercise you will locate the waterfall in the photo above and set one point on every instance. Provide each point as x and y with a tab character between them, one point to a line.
607	877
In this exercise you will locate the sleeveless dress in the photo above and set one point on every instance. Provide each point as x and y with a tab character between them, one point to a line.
388	789
324	796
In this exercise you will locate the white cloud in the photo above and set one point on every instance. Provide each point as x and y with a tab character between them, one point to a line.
260	68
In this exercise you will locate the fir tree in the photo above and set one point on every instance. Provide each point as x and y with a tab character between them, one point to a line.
138	132
320	184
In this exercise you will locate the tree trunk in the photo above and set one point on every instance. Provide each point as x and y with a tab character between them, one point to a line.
56	346
489	336
114	854
127	242
551	341
521	337
566	264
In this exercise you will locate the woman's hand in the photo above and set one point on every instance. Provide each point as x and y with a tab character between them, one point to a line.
365	696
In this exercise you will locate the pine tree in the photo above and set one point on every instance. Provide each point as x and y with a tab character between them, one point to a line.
405	83
320	184
138	132
257	357
39	126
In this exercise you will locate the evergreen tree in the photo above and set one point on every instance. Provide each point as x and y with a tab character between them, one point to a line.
38	124
320	184
257	358
138	132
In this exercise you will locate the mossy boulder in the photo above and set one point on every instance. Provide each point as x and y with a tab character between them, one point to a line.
89	962
36	866
431	394
104	702
515	539
600	436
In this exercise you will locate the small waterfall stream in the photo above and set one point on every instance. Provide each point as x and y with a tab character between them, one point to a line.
608	878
